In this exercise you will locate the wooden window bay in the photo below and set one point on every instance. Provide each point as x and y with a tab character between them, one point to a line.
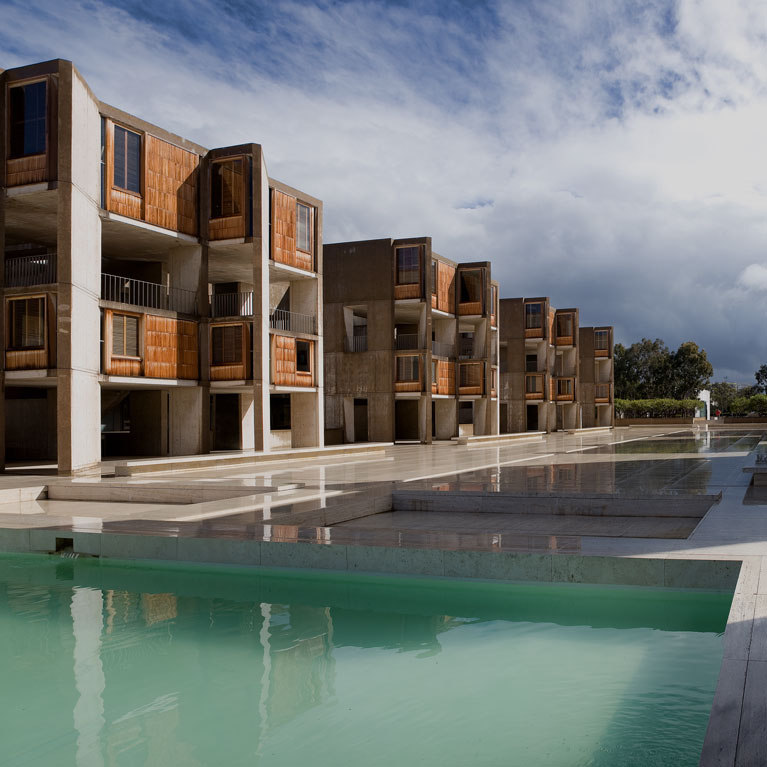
27	119
227	188
26	323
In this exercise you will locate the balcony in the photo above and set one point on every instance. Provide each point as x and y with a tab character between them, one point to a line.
406	341
24	271
439	349
232	304
564	389
602	394
356	343
280	319
150	295
471	378
534	386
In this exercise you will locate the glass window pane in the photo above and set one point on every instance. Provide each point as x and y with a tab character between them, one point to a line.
27	119
304	234
133	162
119	163
408	265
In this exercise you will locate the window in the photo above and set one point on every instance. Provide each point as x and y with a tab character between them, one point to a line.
531	363
564	386
533	316
470	375
124	335
26	318
407	369
27	123
471	287
601	340
303	356
226	344
564	325
127	160
408	265
304	227
226	189
434	371
279	412
434	273
534	384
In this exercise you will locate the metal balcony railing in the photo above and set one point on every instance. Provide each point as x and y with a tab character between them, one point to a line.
407	341
23	271
152	295
357	343
232	304
280	319
442	350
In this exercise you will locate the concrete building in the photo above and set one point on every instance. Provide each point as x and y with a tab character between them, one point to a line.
597	377
160	298
411	343
552	376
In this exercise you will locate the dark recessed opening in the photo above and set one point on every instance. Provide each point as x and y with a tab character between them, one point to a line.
65	544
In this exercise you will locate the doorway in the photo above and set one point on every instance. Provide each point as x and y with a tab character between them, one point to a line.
532	417
225	420
360	420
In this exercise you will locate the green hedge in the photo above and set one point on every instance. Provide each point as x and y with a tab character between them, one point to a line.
657	408
748	405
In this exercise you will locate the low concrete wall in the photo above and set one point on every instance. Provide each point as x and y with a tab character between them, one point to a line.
731	419
592	505
654	421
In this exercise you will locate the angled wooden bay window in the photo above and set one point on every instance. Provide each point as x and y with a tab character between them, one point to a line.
601	343
226	188
228	352
26	336
564	329
534	320
408	373
27	104
471	293
407	277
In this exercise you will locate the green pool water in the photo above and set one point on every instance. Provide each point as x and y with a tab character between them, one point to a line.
107	664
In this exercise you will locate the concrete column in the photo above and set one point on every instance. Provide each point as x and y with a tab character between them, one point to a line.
247	421
261	371
79	269
304	423
186	421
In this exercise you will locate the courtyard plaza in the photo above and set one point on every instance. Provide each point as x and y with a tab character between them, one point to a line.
651	506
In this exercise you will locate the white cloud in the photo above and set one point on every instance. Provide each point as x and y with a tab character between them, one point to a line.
754	277
621	145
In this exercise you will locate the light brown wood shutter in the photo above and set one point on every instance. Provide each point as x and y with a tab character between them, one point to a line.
283	228
131	336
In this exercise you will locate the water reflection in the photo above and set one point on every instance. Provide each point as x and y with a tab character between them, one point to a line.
240	668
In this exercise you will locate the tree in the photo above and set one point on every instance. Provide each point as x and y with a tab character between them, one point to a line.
641	369
723	394
688	371
761	380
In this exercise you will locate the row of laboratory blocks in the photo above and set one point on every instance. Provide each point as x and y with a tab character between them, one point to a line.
162	298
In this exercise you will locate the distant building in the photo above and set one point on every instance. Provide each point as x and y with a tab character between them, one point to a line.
411	343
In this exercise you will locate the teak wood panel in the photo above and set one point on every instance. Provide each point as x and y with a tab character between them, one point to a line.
171	180
473	307
564	340
601	353
27	170
407	291
475	388
409	386
226	228
284	249
284	371
231	372
445	383
26	359
170	348
444	298
125	204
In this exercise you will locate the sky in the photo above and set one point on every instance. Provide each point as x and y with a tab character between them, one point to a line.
610	155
